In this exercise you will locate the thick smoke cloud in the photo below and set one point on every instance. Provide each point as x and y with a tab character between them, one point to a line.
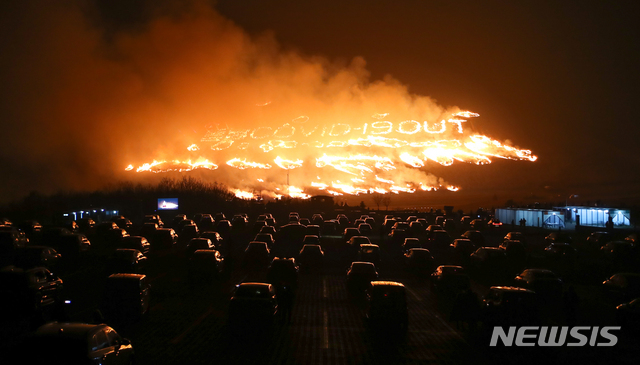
83	95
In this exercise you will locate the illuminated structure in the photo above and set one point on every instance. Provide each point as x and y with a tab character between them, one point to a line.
596	216
547	218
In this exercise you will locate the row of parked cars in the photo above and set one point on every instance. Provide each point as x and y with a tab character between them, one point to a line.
272	300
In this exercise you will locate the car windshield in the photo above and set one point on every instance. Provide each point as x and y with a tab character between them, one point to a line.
421	253
451	270
253	291
311	248
363	268
388	293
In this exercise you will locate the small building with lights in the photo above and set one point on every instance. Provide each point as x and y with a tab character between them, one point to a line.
99	215
547	218
596	216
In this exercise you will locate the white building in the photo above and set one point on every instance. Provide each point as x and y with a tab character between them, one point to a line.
597	216
548	218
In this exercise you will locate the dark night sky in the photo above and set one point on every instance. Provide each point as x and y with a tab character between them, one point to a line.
559	78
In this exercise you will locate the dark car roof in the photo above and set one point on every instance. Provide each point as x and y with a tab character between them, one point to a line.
253	290
126	276
511	289
362	266
420	251
451	269
542	273
386	283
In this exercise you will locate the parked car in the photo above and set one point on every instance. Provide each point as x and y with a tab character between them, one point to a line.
253	307
282	273
126	296
205	266
350	232
515	251
205	223
465	220
438	240
10	243
365	229
311	257
622	254
628	314
560	251
489	260
86	225
359	275
450	279
515	236
266	238
598	239
370	253
125	260
462	248
256	255
474	236
268	229
478	224
356	241
510	306
149	229
330	227
35	256
317	219
311	240
164	238
239	221
27	292
410	243
623	286
177	219
199	244
224	227
123	222
153	218
386	310
419	260
542	281
416	228
558	237
215	238
136	242
258	226
76	343
188	232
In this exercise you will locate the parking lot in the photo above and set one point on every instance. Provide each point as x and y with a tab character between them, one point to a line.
187	323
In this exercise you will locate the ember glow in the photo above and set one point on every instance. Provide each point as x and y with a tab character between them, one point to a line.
378	155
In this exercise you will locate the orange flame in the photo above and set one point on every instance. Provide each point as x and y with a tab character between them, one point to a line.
374	157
